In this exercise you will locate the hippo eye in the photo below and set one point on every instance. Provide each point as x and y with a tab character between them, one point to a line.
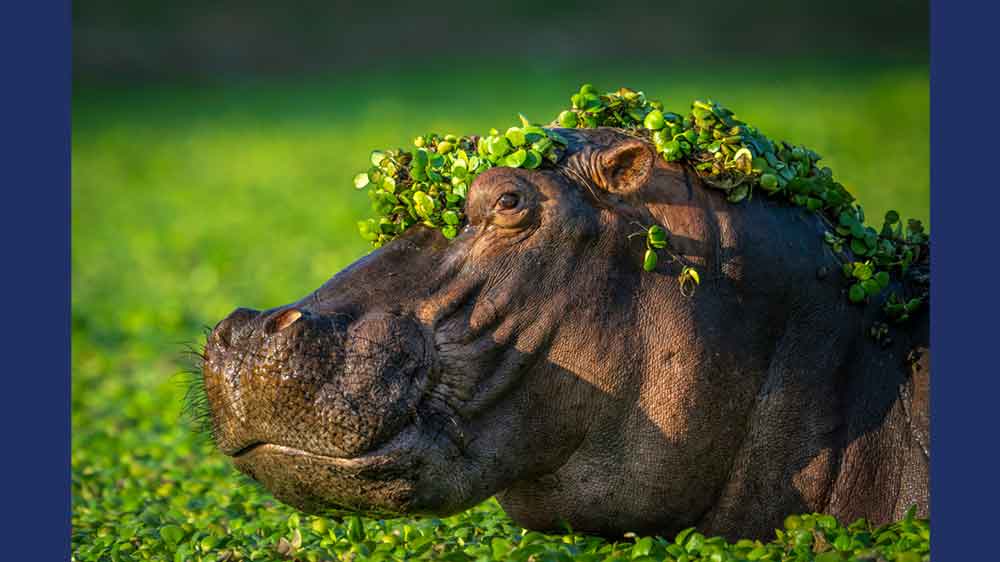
508	201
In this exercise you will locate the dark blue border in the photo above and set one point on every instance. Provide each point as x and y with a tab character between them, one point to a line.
965	214
35	229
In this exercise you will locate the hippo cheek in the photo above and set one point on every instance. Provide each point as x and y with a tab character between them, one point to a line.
320	484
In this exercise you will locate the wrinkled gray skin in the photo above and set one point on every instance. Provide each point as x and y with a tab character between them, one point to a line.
533	358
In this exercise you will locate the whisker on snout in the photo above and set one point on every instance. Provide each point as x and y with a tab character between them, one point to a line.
196	412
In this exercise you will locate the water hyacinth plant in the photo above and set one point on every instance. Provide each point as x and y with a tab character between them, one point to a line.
429	184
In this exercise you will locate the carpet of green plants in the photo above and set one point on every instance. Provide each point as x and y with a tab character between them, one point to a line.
189	201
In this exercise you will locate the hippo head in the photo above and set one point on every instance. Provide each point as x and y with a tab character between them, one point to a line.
514	359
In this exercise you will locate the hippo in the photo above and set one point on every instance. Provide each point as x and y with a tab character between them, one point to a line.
532	358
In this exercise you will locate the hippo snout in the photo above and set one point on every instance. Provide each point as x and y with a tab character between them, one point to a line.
243	321
235	325
291	383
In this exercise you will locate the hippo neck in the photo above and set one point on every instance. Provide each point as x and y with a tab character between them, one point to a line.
856	448
797	445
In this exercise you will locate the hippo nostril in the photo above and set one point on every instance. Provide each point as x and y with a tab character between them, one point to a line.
283	320
230	326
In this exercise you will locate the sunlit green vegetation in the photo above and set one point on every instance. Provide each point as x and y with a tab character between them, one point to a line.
189	201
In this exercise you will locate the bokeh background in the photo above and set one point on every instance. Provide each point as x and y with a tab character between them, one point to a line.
213	150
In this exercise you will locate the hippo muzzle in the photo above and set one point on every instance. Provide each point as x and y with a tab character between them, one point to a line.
319	408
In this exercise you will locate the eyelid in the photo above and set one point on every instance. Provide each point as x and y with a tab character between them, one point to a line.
515	193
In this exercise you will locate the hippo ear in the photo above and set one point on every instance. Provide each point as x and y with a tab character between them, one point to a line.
626	166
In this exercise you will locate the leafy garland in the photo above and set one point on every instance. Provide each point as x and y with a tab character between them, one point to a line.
429	183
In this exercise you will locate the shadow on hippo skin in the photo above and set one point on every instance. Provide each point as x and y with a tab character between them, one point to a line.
828	430
816	442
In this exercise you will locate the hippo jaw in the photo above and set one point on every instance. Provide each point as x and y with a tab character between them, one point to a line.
373	482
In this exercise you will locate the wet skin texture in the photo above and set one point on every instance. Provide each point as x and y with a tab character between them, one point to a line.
533	358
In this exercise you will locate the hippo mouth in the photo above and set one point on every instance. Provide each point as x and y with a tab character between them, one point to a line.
378	481
391	451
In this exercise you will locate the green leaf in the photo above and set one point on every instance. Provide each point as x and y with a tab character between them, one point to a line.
376	157
368	229
642	547
500	547
450	217
871	287
532	160
826	521
649	260
695	542
769	182
172	534
859	247
882	278
657	236
424	204
691	273
498	146
361	181
590	101
856	293
534	133
459	169
701	112
516	159
654	120
319	525
739	193
420	159
543	145
568	119
862	271
516	136
672	151
793	522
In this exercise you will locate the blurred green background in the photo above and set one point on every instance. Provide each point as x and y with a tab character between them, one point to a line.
213	151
